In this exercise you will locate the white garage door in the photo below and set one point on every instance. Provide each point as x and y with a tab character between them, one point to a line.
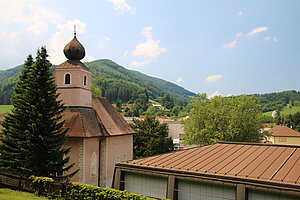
265	195
147	185
188	190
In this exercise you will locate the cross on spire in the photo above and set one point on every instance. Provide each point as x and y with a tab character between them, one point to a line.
74	30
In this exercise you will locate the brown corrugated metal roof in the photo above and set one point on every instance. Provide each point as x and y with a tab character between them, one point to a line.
72	64
253	162
112	121
100	120
284	131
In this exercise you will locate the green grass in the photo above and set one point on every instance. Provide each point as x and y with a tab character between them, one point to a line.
5	108
17	195
286	111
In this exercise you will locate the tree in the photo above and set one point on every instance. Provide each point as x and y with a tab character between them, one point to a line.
234	118
151	137
167	101
34	134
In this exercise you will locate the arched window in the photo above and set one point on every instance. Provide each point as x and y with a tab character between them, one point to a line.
84	80
94	165
67	78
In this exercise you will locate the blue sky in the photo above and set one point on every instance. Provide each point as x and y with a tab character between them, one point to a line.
216	47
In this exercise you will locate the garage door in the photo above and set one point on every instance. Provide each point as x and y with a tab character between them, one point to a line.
265	195
188	190
147	185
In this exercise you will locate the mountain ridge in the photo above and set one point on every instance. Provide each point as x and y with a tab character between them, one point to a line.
115	82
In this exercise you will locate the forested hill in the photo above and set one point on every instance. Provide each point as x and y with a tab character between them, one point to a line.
278	100
113	82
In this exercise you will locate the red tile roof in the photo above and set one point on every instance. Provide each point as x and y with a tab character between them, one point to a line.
112	121
264	163
72	64
100	120
283	131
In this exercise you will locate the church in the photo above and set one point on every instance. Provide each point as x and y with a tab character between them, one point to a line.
99	137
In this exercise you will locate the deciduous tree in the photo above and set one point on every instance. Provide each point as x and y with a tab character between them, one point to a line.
234	118
151	137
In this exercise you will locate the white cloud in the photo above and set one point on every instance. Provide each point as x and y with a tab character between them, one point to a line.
122	6
214	94
258	30
139	63
149	49
274	39
88	58
229	95
214	78
61	38
240	13
239	34
232	44
28	13
179	79
103	41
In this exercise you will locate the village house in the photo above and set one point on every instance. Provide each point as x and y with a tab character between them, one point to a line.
225	170
284	135
99	137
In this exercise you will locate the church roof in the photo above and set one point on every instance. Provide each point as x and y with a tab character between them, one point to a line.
72	64
74	52
102	120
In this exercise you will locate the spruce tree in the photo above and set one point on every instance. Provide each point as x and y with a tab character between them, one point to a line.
34	133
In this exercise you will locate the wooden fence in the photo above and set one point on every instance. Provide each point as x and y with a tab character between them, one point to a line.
53	189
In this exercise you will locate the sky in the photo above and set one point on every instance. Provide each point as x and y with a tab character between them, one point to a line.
214	47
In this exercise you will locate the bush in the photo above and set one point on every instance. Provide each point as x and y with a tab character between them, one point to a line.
90	192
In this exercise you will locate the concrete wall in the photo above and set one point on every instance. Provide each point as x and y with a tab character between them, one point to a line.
286	140
85	154
114	150
74	155
75	93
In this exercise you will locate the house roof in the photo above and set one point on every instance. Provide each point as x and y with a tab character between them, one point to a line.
99	121
263	163
283	131
72	64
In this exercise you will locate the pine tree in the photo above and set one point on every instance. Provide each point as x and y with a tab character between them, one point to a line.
34	133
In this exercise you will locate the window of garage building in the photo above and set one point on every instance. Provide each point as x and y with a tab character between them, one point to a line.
188	190
147	185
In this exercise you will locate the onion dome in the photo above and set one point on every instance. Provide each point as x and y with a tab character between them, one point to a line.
74	50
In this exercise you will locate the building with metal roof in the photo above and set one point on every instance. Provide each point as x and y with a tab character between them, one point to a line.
224	170
98	135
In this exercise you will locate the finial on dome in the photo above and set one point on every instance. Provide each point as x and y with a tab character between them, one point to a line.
74	49
74	30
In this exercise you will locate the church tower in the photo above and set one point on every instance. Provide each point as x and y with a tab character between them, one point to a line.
73	78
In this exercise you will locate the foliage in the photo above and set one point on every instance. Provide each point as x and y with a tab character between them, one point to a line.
151	137
17	195
85	192
293	121
167	101
277	101
234	118
33	132
5	109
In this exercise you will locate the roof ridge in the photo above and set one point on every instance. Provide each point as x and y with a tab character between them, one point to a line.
259	144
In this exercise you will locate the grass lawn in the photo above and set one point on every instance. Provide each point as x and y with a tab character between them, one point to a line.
17	195
5	108
286	111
